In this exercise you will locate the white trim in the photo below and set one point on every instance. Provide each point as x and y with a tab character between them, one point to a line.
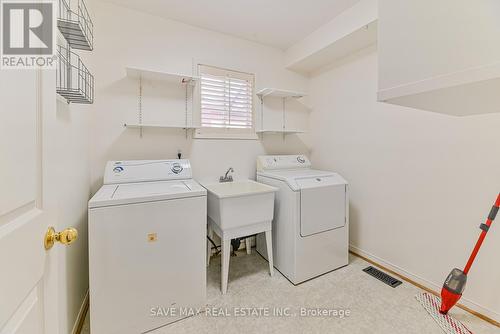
420	280
458	78
161	126
148	74
224	133
282	131
81	313
275	92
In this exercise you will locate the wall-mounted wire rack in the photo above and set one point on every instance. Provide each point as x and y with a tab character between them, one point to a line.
74	81
76	25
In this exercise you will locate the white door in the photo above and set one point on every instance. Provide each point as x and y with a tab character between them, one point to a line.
28	293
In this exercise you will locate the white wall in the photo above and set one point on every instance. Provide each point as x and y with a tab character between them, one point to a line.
126	37
71	151
421	183
73	187
427	39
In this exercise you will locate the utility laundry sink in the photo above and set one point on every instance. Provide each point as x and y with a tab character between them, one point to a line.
240	203
238	209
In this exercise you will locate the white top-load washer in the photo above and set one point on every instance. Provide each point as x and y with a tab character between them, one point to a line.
311	219
147	227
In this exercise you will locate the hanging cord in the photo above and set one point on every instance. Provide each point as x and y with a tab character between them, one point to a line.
215	246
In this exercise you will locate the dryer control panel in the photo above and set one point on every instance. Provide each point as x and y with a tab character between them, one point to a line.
270	162
147	170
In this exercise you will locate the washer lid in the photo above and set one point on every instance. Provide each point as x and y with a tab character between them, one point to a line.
128	193
298	179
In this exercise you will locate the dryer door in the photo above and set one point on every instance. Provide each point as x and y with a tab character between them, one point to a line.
322	204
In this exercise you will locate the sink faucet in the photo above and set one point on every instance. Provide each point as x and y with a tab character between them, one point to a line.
226	177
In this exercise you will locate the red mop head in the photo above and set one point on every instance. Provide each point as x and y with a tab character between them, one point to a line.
447	323
448	300
452	290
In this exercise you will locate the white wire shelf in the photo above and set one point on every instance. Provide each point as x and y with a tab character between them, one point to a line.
76	26
74	81
159	126
281	131
274	92
136	73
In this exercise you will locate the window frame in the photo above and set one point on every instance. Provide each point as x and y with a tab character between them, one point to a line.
206	132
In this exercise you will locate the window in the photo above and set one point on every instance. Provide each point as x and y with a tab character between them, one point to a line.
226	104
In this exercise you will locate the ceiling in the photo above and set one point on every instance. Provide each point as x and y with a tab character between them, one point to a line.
278	23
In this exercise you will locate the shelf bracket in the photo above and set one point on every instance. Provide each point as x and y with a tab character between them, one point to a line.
262	114
283	101
140	106
186	110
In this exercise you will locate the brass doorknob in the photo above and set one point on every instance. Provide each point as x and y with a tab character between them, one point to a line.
66	237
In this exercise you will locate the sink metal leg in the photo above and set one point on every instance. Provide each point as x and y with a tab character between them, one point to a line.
225	255
248	245
269	246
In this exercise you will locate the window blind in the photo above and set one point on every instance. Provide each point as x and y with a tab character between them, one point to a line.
226	98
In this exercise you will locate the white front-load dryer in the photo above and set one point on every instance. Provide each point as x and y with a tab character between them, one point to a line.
311	221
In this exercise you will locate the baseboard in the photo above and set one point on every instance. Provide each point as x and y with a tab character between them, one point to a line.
80	319
466	304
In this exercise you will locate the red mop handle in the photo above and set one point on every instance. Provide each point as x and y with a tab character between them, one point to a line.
485	227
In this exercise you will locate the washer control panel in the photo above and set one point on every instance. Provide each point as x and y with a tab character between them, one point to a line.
146	170
269	162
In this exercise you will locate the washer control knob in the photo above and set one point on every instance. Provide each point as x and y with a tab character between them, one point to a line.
118	169
177	168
